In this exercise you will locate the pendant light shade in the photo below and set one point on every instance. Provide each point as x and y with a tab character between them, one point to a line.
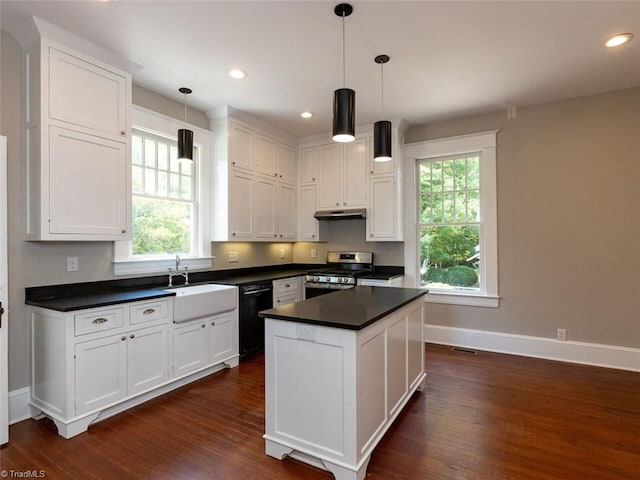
344	118
382	129
344	99
382	141
185	136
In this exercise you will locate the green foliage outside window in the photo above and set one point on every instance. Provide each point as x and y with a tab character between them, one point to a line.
161	227
449	221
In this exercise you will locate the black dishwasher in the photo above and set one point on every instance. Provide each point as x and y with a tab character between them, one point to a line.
253	299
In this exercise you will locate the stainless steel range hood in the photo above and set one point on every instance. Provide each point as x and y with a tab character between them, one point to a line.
345	214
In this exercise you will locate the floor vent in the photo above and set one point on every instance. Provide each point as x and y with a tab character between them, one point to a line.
464	350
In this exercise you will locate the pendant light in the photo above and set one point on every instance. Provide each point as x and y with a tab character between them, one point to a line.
382	129
185	136
344	99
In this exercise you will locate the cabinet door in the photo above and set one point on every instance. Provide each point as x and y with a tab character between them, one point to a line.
383	210
240	214
87	185
101	372
223	339
286	299
147	363
286	163
87	95
329	186
354	164
308	225
240	146
189	348
264	208
286	212
307	162
265	158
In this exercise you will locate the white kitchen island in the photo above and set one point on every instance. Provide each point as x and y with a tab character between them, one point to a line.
339	369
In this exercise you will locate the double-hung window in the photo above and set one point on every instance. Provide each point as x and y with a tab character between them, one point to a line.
452	247
170	208
164	198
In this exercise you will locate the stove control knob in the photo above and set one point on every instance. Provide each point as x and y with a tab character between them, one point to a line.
316	279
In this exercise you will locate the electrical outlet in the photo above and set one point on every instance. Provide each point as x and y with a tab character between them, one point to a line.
234	257
283	253
306	332
562	334
72	264
314	253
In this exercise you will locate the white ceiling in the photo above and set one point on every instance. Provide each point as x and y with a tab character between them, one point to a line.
448	58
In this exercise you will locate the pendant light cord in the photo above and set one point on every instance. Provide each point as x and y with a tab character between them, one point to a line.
382	91
344	55
185	110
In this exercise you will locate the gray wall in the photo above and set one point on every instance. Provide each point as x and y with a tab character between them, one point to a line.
568	220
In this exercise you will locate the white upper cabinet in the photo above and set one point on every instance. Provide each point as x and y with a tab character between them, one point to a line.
78	141
308	159
254	183
342	174
86	95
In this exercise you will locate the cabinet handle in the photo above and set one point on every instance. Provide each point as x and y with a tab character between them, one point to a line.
275	175
280	235
233	234
202	326
371	171
344	203
313	235
287	286
337	204
122	132
233	163
100	320
275	234
133	335
123	338
213	324
149	311
280	176
371	234
123	231
277	301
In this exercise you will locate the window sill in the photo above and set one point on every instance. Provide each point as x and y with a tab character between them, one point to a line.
473	300
132	267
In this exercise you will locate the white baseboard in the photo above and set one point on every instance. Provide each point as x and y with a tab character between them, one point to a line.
19	408
610	356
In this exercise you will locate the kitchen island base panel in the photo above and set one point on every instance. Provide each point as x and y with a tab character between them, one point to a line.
340	472
332	393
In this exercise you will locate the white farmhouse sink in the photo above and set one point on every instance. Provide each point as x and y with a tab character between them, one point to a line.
197	301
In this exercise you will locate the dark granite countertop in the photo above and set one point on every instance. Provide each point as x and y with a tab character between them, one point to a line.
351	309
80	302
380	276
246	279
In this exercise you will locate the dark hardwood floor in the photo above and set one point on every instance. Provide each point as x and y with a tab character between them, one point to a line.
481	416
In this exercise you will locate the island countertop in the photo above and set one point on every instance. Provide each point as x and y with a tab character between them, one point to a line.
351	309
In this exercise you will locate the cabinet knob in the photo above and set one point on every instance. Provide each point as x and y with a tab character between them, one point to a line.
122	132
202	326
371	171
233	163
123	338
275	234
133	335
213	324
337	204
277	301
313	179
280	176
280	235
123	231
275	175
234	234
287	286
313	235
371	234
344	203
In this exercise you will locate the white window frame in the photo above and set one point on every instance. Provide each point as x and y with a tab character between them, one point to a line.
155	123
485	143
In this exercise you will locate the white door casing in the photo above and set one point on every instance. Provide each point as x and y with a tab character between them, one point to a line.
4	294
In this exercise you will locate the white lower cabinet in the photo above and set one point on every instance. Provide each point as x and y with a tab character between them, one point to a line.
287	290
91	364
204	342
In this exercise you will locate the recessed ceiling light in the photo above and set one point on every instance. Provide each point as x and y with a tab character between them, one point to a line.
306	114
237	73
618	40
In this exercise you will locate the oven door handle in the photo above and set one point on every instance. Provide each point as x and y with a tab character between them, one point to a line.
324	286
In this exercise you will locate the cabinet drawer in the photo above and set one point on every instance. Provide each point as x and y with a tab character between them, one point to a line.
99	321
286	299
148	312
286	286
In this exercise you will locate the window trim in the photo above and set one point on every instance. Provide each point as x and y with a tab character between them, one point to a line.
157	124
485	143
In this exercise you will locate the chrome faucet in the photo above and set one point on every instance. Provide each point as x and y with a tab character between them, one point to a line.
178	273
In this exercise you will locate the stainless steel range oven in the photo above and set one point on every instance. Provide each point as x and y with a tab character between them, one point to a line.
340	274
